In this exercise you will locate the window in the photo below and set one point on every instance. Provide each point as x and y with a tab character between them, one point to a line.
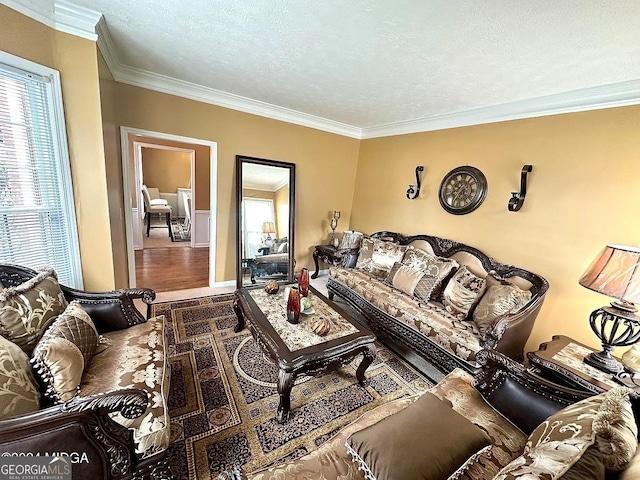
256	212
37	217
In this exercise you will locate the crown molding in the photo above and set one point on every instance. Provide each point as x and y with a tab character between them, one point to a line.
86	23
76	20
161	83
594	98
33	10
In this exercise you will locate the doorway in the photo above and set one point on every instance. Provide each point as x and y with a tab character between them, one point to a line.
173	169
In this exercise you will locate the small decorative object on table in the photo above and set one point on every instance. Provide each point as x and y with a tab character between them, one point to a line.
616	273
271	287
335	241
293	306
303	282
320	325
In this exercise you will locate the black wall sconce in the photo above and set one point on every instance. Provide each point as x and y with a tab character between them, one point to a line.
412	193
517	198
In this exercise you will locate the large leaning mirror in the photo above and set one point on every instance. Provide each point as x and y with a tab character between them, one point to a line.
264	227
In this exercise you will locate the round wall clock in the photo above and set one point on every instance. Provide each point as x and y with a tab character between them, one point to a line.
462	190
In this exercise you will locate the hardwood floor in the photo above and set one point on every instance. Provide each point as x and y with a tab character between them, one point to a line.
166	268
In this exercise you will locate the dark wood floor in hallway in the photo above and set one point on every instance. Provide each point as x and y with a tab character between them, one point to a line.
164	269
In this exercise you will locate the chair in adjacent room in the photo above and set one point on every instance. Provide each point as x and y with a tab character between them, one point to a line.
156	205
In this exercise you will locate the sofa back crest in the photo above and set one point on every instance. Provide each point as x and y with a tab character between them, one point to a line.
476	261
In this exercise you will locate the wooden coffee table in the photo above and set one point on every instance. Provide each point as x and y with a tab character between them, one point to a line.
295	349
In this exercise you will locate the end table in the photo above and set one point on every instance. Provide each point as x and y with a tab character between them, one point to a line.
328	254
561	361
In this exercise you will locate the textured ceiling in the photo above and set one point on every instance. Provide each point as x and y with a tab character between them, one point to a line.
368	63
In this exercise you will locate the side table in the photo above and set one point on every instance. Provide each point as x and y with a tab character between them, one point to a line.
561	361
328	254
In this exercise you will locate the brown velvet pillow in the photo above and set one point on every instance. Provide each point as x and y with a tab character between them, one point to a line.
428	439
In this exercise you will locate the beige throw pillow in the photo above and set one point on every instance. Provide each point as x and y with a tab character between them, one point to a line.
28	309
462	292
64	352
19	392
603	424
377	256
436	269
404	278
501	298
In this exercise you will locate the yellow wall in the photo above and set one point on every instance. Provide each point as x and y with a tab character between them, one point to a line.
202	173
584	191
166	170
112	155
76	60
325	163
281	206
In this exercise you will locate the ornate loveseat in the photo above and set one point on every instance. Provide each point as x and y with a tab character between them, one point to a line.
273	260
593	439
115	423
443	335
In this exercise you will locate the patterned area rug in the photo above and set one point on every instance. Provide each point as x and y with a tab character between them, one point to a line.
180	234
223	396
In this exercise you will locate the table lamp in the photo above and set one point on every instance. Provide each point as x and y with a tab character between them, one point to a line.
268	228
616	273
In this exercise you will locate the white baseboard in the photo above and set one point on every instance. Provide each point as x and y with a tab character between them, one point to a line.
226	283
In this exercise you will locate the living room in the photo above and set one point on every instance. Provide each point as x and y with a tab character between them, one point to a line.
582	193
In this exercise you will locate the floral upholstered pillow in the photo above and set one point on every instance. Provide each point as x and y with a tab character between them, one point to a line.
377	256
436	269
500	298
462	292
603	424
64	351
28	309
19	391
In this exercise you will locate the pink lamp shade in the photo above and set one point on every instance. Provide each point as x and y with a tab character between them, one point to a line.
615	273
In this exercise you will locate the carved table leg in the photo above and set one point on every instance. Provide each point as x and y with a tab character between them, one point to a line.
236	308
285	384
315	260
368	356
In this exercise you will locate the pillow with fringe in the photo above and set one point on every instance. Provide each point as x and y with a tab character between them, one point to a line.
598	433
28	309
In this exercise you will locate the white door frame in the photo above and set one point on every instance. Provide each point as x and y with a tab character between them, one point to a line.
137	158
213	194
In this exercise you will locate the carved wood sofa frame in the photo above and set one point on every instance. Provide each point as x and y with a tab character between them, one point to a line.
507	336
83	423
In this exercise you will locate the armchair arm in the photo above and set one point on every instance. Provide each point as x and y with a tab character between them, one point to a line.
113	310
81	429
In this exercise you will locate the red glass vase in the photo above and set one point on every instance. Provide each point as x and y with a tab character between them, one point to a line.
303	282
293	306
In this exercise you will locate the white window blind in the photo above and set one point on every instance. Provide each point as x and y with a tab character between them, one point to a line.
37	217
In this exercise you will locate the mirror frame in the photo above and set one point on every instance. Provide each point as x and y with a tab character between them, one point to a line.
240	161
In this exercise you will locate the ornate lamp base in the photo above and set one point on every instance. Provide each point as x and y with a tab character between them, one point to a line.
603	361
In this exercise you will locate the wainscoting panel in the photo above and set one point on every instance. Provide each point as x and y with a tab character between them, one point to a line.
202	228
137	229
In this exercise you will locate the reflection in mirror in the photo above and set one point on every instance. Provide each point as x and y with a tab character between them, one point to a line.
266	210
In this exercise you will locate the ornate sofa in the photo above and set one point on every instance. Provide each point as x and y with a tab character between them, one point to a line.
274	260
444	336
115	425
511	407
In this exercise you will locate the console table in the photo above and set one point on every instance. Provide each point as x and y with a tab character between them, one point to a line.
561	361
